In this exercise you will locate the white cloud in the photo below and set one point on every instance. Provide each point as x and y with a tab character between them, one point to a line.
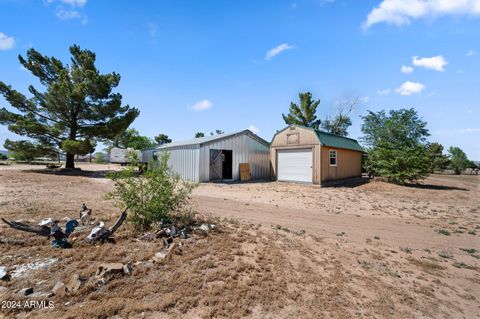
468	130
202	105
406	69
6	42
402	12
75	3
277	50
436	63
471	53
69	9
254	129
63	14
364	99
410	88
384	91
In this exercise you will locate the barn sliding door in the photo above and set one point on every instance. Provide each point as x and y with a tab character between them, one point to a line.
216	165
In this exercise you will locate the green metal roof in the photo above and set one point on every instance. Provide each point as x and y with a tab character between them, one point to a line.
328	139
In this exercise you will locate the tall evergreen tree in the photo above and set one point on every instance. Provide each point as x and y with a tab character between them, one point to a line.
438	160
305	113
162	139
78	105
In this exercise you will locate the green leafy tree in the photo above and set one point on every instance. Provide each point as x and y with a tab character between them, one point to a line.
438	160
458	159
99	157
152	197
199	134
396	145
305	113
162	139
130	138
77	106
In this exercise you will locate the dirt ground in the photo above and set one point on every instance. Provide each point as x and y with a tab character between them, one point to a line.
280	250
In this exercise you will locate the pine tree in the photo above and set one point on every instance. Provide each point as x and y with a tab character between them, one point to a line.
77	107
438	160
162	139
303	114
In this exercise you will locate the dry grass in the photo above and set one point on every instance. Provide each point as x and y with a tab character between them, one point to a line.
248	270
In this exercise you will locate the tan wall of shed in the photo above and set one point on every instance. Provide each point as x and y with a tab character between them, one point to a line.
306	139
349	164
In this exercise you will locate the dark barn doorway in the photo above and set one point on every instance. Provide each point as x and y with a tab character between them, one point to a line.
221	165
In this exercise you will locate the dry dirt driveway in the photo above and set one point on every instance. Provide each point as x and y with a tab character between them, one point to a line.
400	216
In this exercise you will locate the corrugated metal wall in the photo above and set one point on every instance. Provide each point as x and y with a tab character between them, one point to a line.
244	149
184	160
147	155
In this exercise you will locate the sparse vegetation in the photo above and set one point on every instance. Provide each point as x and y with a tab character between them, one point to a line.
463	265
445	232
445	255
152	197
469	250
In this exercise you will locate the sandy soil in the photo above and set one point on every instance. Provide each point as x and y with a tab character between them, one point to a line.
281	250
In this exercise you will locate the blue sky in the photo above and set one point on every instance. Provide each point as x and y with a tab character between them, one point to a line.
203	65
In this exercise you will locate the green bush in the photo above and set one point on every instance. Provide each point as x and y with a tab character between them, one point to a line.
151	197
395	144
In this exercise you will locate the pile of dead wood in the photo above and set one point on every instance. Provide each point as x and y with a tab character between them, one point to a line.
50	227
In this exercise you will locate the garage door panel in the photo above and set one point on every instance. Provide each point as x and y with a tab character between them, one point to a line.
295	165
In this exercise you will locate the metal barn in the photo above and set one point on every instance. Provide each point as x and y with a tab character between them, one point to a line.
217	157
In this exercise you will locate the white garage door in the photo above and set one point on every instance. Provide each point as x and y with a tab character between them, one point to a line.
295	165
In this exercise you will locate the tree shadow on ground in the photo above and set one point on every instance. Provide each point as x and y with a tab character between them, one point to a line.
437	187
349	182
72	172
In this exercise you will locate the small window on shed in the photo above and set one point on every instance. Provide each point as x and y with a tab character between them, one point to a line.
333	158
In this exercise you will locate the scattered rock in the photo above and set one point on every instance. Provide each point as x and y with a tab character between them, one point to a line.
167	241
3	289
127	269
75	283
4	274
108	270
40	295
59	289
161	255
147	236
24	269
25	291
204	227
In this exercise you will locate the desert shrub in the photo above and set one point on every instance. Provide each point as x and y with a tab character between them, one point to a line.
151	197
445	232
